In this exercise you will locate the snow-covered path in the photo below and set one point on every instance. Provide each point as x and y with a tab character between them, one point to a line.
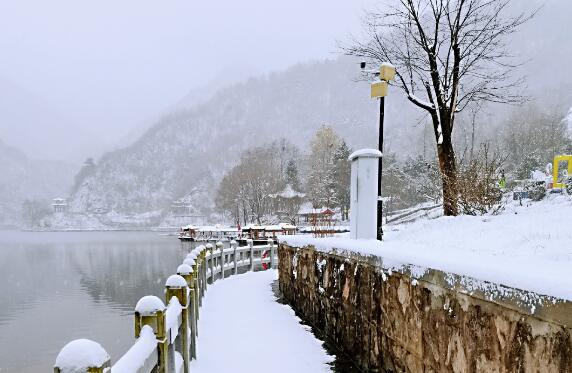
243	329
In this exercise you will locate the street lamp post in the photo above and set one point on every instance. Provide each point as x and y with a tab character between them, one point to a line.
379	90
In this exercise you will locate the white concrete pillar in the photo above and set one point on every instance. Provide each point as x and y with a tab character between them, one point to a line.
363	204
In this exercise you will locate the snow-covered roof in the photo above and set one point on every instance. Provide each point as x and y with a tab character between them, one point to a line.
287	226
229	229
271	228
288	192
253	226
190	227
307	208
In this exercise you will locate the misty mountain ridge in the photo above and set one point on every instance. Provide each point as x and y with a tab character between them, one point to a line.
189	150
28	179
29	123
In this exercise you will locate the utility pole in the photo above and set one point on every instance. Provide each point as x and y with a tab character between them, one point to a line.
379	90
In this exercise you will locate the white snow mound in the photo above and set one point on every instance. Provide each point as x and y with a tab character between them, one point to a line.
81	354
149	305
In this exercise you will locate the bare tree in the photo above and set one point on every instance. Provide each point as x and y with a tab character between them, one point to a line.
246	190
453	53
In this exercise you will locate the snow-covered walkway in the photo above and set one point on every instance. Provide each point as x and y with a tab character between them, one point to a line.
243	329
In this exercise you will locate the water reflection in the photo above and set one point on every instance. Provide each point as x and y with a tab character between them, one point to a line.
59	286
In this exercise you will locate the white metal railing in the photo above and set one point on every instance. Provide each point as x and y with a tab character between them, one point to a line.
166	336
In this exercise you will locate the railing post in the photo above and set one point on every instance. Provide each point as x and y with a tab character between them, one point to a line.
233	244
197	279
200	272
150	310
189	275
220	247
211	264
98	360
250	244
271	243
176	286
203	273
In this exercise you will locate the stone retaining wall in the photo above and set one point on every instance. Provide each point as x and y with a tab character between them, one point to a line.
390	321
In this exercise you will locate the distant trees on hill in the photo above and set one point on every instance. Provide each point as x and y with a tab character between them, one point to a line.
256	188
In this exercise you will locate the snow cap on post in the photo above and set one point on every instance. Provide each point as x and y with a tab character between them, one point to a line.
176	281
219	244
193	255
184	269
189	261
209	246
80	356
365	153
149	305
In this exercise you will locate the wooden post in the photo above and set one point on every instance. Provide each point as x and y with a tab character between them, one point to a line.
190	277
220	246
233	245
203	274
150	310
271	243
176	286
98	362
197	279
250	243
211	263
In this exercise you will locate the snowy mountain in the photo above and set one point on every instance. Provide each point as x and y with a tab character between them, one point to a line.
189	150
24	178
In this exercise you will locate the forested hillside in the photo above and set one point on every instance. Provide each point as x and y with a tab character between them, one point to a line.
187	152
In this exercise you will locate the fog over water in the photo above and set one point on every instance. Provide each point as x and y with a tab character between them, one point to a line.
57	287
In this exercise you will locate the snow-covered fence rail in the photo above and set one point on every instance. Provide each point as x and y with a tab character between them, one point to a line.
166	336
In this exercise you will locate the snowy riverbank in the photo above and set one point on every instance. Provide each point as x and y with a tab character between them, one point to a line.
527	247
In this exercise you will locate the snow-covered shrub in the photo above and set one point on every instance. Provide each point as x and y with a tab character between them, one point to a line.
536	190
478	183
569	185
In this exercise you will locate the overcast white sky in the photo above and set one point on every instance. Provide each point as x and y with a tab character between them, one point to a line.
109	64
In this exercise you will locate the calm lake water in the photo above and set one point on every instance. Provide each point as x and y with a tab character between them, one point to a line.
59	286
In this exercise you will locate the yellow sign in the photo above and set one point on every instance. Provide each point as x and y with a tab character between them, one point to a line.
557	160
387	72
379	89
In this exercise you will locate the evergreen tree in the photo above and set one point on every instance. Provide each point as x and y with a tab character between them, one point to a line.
292	177
342	174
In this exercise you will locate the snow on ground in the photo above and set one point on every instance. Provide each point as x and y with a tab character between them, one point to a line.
527	247
243	329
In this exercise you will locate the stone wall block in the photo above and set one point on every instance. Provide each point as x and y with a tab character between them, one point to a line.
389	323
